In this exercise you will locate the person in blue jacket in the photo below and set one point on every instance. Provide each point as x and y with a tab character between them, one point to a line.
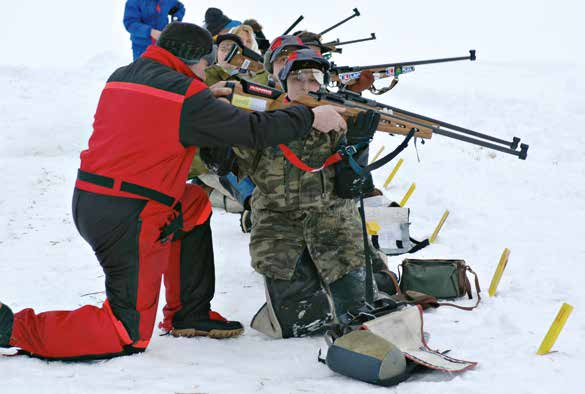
145	19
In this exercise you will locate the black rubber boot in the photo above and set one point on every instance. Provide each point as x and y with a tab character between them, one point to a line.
301	305
6	321
349	291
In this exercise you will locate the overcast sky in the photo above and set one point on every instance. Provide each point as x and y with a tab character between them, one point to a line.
43	33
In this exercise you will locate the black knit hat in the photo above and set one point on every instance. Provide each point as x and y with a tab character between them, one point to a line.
215	20
186	41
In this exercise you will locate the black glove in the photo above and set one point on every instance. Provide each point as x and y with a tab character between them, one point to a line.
219	160
361	128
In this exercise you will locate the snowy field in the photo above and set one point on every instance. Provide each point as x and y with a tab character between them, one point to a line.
527	82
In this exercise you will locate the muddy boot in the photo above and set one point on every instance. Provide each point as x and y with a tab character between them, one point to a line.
216	326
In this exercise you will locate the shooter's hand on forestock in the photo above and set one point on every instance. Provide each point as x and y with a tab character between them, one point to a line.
361	128
365	81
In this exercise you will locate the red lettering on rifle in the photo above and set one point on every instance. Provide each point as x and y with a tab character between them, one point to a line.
260	90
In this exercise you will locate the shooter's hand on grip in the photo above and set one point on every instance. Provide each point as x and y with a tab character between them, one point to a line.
327	118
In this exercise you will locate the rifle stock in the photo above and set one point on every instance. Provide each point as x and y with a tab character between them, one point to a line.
245	59
254	97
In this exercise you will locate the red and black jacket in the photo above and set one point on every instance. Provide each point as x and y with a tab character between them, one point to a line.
155	111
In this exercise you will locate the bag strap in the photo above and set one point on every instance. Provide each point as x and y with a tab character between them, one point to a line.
418	245
477	289
395	283
426	300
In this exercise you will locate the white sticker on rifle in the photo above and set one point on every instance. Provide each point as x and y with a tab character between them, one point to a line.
245	64
249	103
257	104
344	77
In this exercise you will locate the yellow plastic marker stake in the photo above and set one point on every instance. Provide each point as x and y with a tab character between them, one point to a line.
407	195
394	171
499	271
555	329
439	227
377	154
373	228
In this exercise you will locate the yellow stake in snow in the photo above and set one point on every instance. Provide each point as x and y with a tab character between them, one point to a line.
377	154
394	171
555	329
373	227
499	271
439	227
407	195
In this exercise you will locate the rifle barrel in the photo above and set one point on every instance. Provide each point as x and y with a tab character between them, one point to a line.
295	23
437	126
334	42
522	154
511	144
480	141
372	37
355	13
401	64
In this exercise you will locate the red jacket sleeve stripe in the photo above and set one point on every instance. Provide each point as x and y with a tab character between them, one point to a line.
134	87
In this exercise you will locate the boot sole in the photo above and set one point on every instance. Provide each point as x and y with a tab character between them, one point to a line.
215	334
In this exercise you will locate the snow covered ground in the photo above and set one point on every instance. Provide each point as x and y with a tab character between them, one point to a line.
534	207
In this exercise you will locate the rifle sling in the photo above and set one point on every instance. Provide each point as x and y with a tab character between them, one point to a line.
348	152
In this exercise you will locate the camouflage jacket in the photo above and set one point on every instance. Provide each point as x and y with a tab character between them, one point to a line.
280	186
293	210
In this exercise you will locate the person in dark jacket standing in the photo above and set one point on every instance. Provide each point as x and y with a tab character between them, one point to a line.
145	19
133	206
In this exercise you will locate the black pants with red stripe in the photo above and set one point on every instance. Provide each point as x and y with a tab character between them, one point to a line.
124	234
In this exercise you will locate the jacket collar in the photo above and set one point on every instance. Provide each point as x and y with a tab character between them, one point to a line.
164	57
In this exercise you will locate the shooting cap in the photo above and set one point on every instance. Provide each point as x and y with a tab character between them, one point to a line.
278	45
305	59
312	39
188	42
216	21
231	37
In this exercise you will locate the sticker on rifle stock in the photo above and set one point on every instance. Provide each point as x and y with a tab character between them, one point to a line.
245	64
344	77
249	103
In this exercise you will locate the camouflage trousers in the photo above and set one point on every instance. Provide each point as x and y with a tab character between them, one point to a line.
332	236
